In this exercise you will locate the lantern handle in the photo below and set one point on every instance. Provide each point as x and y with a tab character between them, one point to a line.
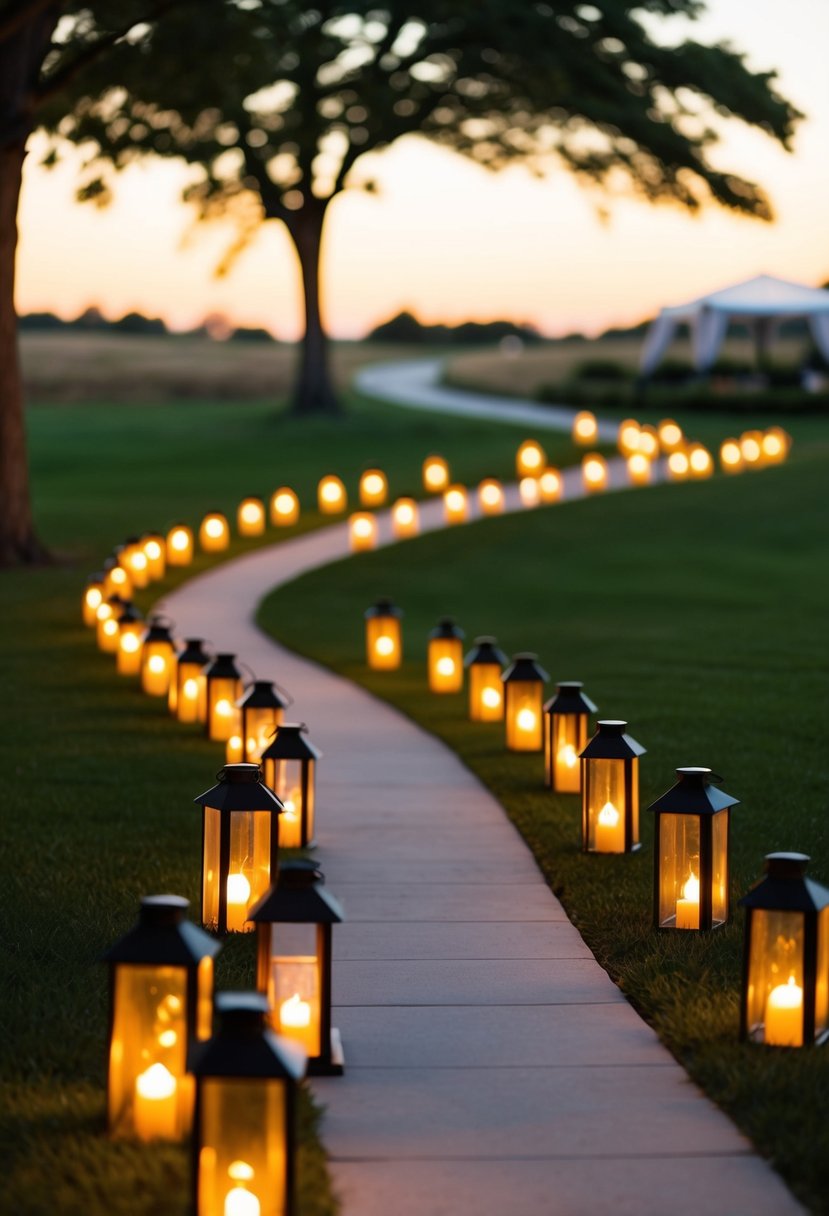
283	692
161	618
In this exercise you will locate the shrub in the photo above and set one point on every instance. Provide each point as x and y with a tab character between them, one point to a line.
603	369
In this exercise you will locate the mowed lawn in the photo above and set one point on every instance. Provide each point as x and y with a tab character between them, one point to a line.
98	796
697	612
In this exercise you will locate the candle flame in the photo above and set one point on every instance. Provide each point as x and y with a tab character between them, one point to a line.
608	815
157	1082
526	720
384	646
238	889
295	1012
568	756
445	667
190	688
690	890
491	698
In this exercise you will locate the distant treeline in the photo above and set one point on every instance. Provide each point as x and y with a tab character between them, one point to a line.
406	328
136	323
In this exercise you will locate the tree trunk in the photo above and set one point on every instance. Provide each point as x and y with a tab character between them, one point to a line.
314	393
17	539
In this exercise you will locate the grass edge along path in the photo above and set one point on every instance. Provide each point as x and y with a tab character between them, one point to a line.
693	611
99	800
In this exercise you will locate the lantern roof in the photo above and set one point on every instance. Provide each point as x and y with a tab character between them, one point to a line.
610	742
163	937
223	666
243	1046
570	699
130	613
525	666
297	897
240	788
157	631
194	652
118	605
693	794
288	744
446	628
785	887
262	694
485	650
383	607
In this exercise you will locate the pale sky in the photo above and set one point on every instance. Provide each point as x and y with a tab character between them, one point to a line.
450	241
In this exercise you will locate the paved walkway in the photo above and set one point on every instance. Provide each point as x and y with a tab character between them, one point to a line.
416	385
492	1068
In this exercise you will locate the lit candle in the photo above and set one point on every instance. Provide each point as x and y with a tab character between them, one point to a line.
594	472
526	721
435	474
233	750
331	496
446	667
628	437
295	1022
529	492
362	531
373	488
687	908
610	830
490	497
214	534
639	469
491	698
585	427
290	820
530	459
179	546
156	1104
154	552
549	485
678	465
670	434
250	518
384	646
784	1015
454	505
731	458
239	1201
156	679
238	894
405	518
284	507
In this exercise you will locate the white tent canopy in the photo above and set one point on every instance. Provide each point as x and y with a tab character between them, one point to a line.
761	303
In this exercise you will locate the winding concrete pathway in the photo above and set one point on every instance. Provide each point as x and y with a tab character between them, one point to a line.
492	1068
416	385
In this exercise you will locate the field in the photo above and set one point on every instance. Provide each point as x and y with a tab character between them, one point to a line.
696	612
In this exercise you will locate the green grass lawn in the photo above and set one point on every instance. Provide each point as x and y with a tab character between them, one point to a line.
100	781
697	612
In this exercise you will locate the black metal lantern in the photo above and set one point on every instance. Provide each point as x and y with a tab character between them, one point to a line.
187	698
293	967
785	998
261	710
610	790
223	688
566	717
445	657
244	1129
131	630
240	847
485	663
384	643
158	658
691	852
523	683
161	1001
289	769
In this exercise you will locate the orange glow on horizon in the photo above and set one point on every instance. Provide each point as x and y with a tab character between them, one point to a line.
447	240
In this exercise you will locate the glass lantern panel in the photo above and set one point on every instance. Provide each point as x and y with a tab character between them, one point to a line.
259	727
486	693
524	716
445	665
287	785
204	1001
242	1167
295	984
150	1095
719	868
822	988
569	736
383	648
309	802
249	873
222	694
775	978
679	873
156	663
210	862
606	806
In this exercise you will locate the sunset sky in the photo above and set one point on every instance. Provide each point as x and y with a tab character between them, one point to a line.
450	241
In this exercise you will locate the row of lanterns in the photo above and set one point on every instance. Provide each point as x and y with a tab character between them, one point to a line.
169	1075
785	995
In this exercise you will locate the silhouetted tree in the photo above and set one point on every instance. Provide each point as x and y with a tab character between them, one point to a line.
276	100
45	47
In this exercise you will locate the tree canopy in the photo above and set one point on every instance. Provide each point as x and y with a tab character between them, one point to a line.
275	101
